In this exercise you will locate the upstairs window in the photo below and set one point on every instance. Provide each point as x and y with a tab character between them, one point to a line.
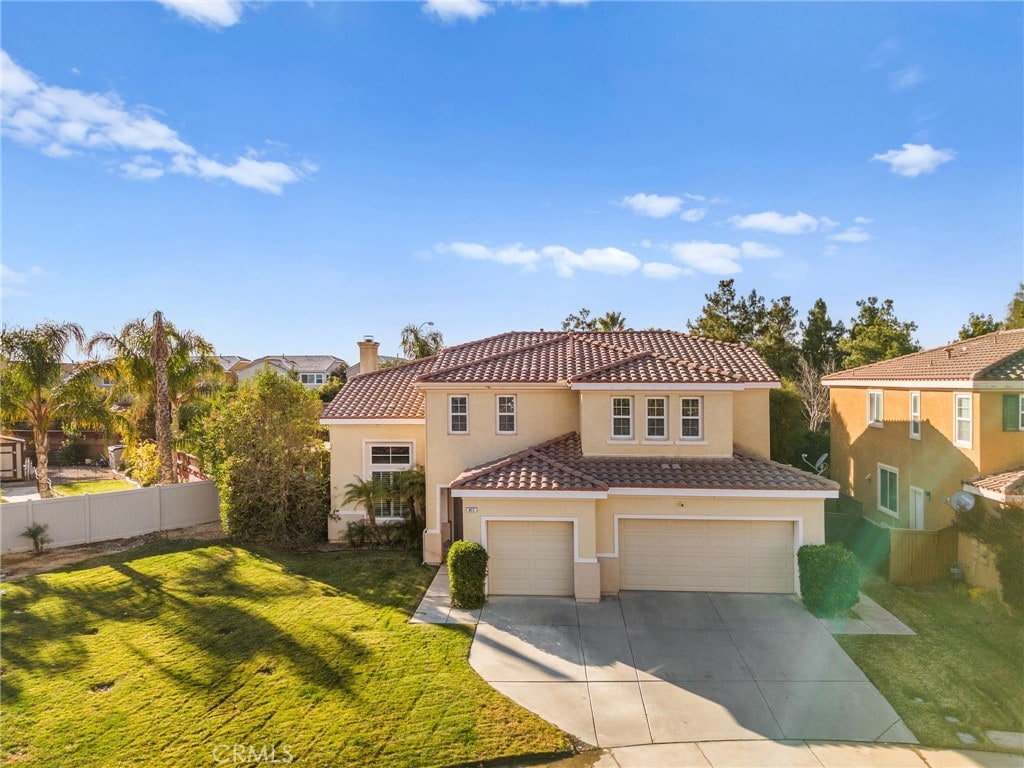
390	455
875	414
506	414
311	379
622	417
657	420
458	414
962	420
915	415
1013	413
692	418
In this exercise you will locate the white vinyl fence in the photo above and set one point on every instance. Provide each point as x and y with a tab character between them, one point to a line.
104	516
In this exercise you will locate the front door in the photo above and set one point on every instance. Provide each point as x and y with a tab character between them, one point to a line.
916	508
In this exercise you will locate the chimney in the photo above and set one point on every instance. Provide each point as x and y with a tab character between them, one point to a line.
368	359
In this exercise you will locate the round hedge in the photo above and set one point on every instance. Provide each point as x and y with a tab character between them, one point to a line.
467	569
829	578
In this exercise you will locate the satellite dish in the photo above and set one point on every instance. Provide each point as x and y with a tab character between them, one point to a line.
962	501
819	465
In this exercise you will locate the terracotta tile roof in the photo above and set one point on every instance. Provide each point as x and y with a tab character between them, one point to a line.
559	465
554	357
1007	483
995	356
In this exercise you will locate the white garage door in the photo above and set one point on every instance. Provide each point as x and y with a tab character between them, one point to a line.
706	555
529	558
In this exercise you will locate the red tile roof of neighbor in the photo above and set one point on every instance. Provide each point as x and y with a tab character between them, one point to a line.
995	356
552	357
559	465
1009	482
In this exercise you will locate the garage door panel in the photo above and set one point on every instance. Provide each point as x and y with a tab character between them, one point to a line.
530	558
706	555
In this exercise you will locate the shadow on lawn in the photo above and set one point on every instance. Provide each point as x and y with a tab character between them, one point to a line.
211	613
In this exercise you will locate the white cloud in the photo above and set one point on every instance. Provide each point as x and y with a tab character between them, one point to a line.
610	261
851	235
915	159
12	282
646	243
509	254
453	10
211	13
565	261
773	221
654	206
903	79
753	250
712	258
659	270
698	198
66	121
827	223
693	214
831	250
862	220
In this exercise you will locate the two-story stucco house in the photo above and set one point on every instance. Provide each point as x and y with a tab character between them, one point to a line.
311	370
910	432
587	463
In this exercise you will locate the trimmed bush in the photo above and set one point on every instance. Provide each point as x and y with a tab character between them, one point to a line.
467	568
829	578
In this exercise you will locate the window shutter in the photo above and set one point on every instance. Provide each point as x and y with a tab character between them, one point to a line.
1011	413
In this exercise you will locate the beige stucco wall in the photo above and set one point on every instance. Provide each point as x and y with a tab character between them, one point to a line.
596	425
751	426
541	414
348	446
999	450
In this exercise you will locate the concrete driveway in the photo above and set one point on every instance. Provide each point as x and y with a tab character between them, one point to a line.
664	667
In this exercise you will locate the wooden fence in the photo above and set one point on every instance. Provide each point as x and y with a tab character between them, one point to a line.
920	556
188	468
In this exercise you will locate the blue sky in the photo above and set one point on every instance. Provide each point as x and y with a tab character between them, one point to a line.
287	177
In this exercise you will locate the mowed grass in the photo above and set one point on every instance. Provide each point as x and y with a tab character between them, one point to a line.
92	486
966	662
158	656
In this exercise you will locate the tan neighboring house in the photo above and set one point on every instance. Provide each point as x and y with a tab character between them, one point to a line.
586	463
231	365
312	370
910	432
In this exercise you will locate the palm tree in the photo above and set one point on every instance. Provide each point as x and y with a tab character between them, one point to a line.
128	361
419	342
34	389
162	404
411	487
611	321
367	494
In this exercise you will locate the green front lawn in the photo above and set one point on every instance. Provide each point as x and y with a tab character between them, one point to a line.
92	486
157	657
966	662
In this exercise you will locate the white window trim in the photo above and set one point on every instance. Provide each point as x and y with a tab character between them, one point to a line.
369	467
878	492
664	420
450	414
692	439
1020	413
879	423
915	435
632	409
515	415
957	397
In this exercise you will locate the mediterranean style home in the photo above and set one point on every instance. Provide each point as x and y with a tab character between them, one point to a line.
586	463
910	432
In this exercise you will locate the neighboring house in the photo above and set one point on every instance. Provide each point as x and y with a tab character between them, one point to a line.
312	370
231	364
910	432
586	463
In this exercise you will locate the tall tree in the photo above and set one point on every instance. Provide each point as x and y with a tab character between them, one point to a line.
611	321
775	338
877	334
978	325
127	359
421	340
162	403
35	389
1015	310
819	344
583	321
813	393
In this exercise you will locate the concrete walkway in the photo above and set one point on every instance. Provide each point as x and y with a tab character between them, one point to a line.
669	667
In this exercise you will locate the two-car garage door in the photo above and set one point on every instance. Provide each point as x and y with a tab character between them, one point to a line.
706	555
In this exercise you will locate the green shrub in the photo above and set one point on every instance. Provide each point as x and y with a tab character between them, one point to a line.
407	534
1001	530
73	453
142	463
829	578
358	533
467	568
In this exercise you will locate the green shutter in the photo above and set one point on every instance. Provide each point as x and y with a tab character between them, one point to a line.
1011	413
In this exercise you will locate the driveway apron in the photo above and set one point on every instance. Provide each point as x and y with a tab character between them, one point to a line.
666	667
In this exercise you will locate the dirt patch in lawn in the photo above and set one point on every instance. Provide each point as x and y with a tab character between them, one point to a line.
20	564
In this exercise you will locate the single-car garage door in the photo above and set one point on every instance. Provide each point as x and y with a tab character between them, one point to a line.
529	558
706	555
